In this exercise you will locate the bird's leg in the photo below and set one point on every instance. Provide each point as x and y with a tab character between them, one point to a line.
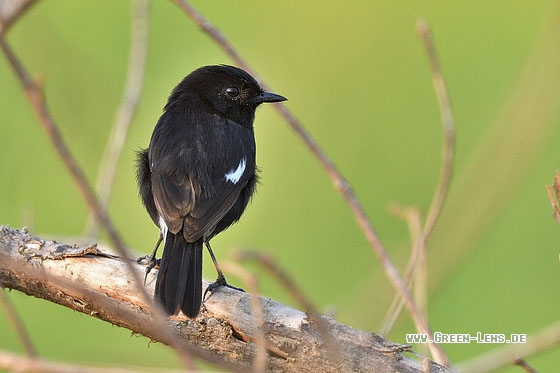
151	260
153	256
221	280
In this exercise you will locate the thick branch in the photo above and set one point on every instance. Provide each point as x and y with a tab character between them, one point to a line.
98	284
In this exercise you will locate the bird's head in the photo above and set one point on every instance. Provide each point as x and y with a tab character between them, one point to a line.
223	90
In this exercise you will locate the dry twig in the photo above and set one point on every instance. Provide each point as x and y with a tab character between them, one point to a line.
523	364
448	156
11	11
15	363
17	324
555	198
417	264
504	356
413	219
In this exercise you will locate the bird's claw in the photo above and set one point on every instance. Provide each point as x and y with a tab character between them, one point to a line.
220	281
150	262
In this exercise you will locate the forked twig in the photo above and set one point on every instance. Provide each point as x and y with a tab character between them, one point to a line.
339	182
417	263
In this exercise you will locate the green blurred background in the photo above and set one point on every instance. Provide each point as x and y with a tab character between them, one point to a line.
357	76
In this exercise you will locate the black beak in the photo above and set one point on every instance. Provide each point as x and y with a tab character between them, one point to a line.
269	97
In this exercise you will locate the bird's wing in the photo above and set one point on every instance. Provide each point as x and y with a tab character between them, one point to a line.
195	181
174	198
228	183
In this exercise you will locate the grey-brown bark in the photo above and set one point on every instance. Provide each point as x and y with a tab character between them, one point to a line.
225	332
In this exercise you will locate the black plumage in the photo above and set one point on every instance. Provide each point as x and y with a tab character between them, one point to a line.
199	173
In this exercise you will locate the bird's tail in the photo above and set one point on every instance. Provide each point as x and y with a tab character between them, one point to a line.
179	280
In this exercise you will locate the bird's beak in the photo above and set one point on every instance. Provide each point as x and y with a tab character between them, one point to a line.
270	97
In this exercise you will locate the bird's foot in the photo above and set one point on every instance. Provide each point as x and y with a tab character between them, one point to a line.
221	281
145	260
150	262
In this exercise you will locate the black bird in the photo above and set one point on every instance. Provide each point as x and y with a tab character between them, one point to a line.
198	174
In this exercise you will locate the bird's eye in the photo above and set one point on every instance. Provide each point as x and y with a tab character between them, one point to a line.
232	92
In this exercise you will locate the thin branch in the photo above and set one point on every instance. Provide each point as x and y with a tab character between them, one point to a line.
17	324
448	156
16	363
446	172
417	263
554	201
11	11
555	210
523	364
414	223
339	182
504	356
37	102
128	106
412	217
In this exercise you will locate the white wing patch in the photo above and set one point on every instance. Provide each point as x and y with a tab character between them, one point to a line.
163	228
234	175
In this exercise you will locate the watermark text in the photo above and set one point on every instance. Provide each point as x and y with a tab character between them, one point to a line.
466	338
